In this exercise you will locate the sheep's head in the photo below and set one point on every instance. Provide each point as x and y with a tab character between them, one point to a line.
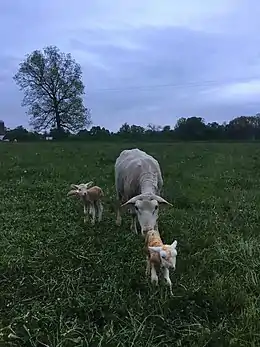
80	189
168	254
146	207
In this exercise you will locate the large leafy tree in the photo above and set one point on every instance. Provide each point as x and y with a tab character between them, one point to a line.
53	90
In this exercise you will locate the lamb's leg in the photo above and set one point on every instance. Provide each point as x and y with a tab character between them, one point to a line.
100	210
154	277
86	212
147	271
166	275
93	210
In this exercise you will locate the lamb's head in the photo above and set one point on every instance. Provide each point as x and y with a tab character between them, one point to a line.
80	189
146	207
168	254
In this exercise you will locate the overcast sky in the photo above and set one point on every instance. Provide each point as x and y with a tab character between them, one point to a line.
149	61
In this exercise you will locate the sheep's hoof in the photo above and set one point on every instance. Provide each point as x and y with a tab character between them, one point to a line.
118	222
134	230
154	281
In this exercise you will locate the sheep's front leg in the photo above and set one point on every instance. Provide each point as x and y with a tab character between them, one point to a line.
133	226
147	271
100	210
86	212
166	275
154	277
118	214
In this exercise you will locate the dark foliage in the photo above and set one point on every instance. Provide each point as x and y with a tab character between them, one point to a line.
186	129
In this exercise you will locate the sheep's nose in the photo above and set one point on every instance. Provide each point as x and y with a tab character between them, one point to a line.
147	228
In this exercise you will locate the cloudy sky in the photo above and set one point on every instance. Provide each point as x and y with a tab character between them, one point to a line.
149	61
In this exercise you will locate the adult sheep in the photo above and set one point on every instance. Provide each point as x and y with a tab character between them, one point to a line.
138	181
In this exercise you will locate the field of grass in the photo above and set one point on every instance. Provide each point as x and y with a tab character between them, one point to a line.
63	283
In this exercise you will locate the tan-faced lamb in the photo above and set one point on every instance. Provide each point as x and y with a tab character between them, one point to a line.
138	181
159	257
91	198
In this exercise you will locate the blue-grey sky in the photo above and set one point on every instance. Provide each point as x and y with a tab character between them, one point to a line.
149	61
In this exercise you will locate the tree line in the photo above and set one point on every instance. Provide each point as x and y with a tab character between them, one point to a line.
53	95
186	129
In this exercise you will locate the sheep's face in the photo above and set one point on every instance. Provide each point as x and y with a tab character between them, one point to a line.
146	207
147	213
168	254
80	189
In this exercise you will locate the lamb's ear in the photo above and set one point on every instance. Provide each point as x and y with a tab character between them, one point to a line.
163	254
72	192
74	186
174	244
155	249
89	184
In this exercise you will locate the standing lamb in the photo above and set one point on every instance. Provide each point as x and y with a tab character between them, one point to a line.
91	198
138	182
159	257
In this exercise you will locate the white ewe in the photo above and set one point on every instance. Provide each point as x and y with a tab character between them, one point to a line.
138	182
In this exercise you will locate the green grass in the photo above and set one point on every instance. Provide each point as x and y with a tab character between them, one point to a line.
66	284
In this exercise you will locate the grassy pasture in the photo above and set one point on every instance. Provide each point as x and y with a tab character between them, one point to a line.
65	284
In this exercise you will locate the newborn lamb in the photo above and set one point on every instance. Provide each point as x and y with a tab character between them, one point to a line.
160	256
91	198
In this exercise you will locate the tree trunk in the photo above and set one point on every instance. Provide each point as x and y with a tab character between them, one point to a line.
58	121
57	115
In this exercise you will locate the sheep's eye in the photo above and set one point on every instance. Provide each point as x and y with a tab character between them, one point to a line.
155	209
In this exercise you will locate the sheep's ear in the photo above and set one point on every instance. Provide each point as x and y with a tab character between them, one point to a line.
174	244
163	254
72	192
155	249
74	186
161	200
89	184
132	200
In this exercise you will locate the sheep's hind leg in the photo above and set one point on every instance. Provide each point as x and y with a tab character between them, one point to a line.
93	212
100	210
86	213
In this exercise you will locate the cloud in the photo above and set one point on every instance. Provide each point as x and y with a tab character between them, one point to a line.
143	62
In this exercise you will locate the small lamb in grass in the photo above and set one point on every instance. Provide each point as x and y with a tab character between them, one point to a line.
160	256
91	198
